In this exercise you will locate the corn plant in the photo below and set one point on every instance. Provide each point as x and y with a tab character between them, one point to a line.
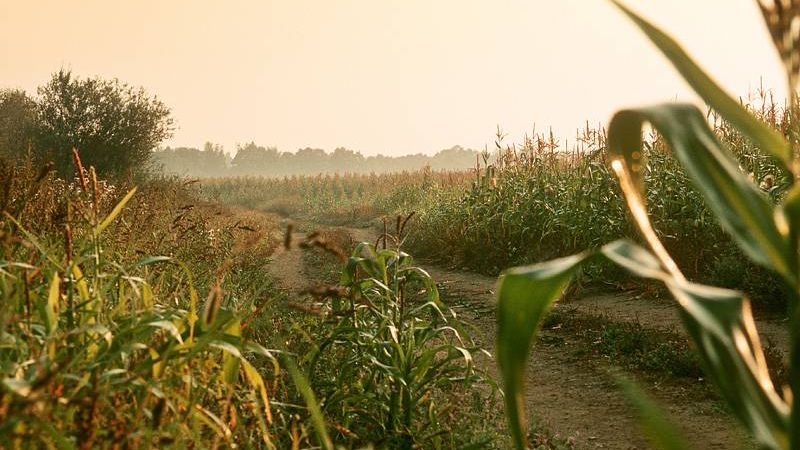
392	351
719	321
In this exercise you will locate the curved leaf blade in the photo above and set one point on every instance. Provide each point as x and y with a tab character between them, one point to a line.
721	325
739	206
524	296
731	110
115	212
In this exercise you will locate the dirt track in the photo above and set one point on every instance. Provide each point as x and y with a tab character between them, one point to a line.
572	393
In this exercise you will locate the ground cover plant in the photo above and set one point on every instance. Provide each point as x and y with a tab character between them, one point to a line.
719	321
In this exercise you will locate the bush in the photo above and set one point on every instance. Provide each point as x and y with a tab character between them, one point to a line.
114	126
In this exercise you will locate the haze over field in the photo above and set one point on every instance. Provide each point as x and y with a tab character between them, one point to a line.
381	77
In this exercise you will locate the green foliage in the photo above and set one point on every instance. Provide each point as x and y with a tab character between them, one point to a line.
114	126
336	199
391	366
719	321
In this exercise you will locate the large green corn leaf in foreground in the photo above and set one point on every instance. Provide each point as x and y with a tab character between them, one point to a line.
718	320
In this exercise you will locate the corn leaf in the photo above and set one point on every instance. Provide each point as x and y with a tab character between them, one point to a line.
114	212
230	364
730	109
147	296
739	206
524	296
169	327
317	418
634	258
80	283
51	308
720	323
257	383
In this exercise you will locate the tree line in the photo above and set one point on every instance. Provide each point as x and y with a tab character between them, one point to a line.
254	160
118	129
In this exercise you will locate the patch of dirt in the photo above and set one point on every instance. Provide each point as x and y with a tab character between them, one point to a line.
662	313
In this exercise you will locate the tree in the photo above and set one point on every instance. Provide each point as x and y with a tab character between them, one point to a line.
211	161
114	126
17	122
252	159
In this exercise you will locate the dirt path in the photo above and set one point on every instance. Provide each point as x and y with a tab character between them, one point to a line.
659	313
286	267
656	313
571	392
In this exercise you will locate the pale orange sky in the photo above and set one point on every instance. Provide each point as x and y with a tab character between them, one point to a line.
381	76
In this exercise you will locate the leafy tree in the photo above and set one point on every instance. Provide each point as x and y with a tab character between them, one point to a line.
114	126
17	122
252	159
211	161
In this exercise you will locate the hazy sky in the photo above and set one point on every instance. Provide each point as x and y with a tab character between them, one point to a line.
381	76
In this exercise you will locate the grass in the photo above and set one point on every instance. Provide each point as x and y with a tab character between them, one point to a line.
140	317
629	345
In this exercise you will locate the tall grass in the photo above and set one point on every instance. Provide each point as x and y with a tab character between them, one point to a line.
105	346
